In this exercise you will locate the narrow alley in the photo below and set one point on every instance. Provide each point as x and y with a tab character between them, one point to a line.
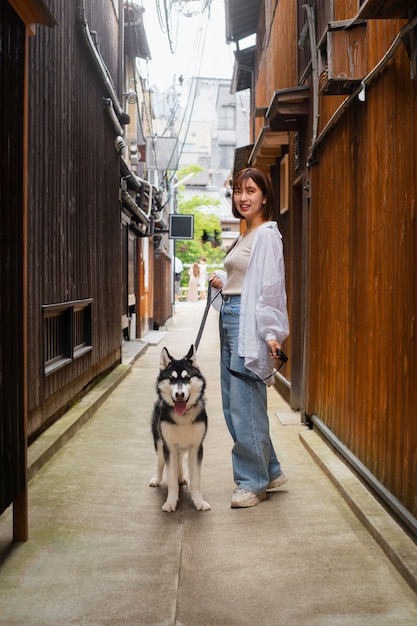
101	551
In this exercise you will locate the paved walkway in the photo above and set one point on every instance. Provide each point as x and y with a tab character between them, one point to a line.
102	552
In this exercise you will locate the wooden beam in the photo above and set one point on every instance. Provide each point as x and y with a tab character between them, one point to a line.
33	12
384	9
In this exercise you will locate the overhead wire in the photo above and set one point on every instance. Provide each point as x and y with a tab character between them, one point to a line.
166	20
198	45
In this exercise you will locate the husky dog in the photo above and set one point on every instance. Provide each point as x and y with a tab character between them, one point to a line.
179	425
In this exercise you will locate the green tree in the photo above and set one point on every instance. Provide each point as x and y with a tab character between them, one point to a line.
205	224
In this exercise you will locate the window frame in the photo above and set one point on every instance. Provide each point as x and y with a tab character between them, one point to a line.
65	333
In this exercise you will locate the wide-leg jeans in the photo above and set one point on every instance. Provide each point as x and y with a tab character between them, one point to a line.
255	462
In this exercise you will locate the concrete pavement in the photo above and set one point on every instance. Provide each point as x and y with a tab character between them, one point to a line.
102	552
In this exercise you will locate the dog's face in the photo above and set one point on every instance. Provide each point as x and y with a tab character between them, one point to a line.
180	382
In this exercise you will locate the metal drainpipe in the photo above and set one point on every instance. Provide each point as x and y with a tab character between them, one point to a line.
128	201
367	80
104	72
363	471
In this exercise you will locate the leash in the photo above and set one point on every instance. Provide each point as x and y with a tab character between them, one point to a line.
280	354
209	302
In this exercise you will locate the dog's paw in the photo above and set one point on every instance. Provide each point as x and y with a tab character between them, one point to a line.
169	507
202	505
154	482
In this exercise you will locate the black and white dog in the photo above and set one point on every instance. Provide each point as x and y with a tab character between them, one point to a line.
179	425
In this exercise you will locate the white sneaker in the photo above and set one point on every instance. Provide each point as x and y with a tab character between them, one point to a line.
274	485
242	498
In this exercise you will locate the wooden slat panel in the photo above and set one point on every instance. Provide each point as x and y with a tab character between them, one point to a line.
362	360
12	433
163	281
74	210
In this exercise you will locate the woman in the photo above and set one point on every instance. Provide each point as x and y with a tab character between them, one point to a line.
194	274
253	323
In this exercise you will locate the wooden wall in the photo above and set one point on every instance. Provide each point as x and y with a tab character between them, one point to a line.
361	355
12	430
363	302
162	287
73	202
350	239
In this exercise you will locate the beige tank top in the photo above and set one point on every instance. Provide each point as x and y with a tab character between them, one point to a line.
236	264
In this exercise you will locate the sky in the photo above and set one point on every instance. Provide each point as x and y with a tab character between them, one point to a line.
212	59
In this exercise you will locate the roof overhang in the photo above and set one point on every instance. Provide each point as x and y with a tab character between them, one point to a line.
268	148
243	69
33	12
136	43
242	18
288	109
133	210
242	155
383	9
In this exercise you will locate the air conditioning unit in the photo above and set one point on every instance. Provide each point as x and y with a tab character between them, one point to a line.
343	59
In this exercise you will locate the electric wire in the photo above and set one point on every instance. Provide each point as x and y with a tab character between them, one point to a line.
168	17
188	111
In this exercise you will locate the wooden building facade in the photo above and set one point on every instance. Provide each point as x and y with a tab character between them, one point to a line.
334	114
90	211
77	216
74	242
17	23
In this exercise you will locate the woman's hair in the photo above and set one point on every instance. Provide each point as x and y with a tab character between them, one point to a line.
262	181
196	269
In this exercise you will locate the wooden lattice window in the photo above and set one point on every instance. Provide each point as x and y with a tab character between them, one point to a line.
81	330
66	333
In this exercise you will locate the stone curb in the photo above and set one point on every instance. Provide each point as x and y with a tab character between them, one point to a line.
57	435
397	545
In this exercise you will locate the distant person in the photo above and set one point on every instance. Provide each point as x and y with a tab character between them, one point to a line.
178	268
253	325
203	279
194	283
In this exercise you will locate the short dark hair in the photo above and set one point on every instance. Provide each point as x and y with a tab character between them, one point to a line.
262	181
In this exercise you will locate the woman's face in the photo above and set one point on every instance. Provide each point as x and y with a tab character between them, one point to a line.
248	199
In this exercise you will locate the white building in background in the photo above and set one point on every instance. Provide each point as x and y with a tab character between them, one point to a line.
215	123
210	124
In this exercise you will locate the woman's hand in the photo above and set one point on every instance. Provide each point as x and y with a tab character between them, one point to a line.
215	281
273	347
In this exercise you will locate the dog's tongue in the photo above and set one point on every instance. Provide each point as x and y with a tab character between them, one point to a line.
180	407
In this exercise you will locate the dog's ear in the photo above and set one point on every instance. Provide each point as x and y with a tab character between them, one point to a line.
191	356
165	359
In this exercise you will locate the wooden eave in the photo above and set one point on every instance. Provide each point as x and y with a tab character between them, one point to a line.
242	18
288	108
242	155
268	148
383	9
243	69
135	40
33	12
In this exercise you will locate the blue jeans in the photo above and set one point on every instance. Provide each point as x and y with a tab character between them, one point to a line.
255	462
